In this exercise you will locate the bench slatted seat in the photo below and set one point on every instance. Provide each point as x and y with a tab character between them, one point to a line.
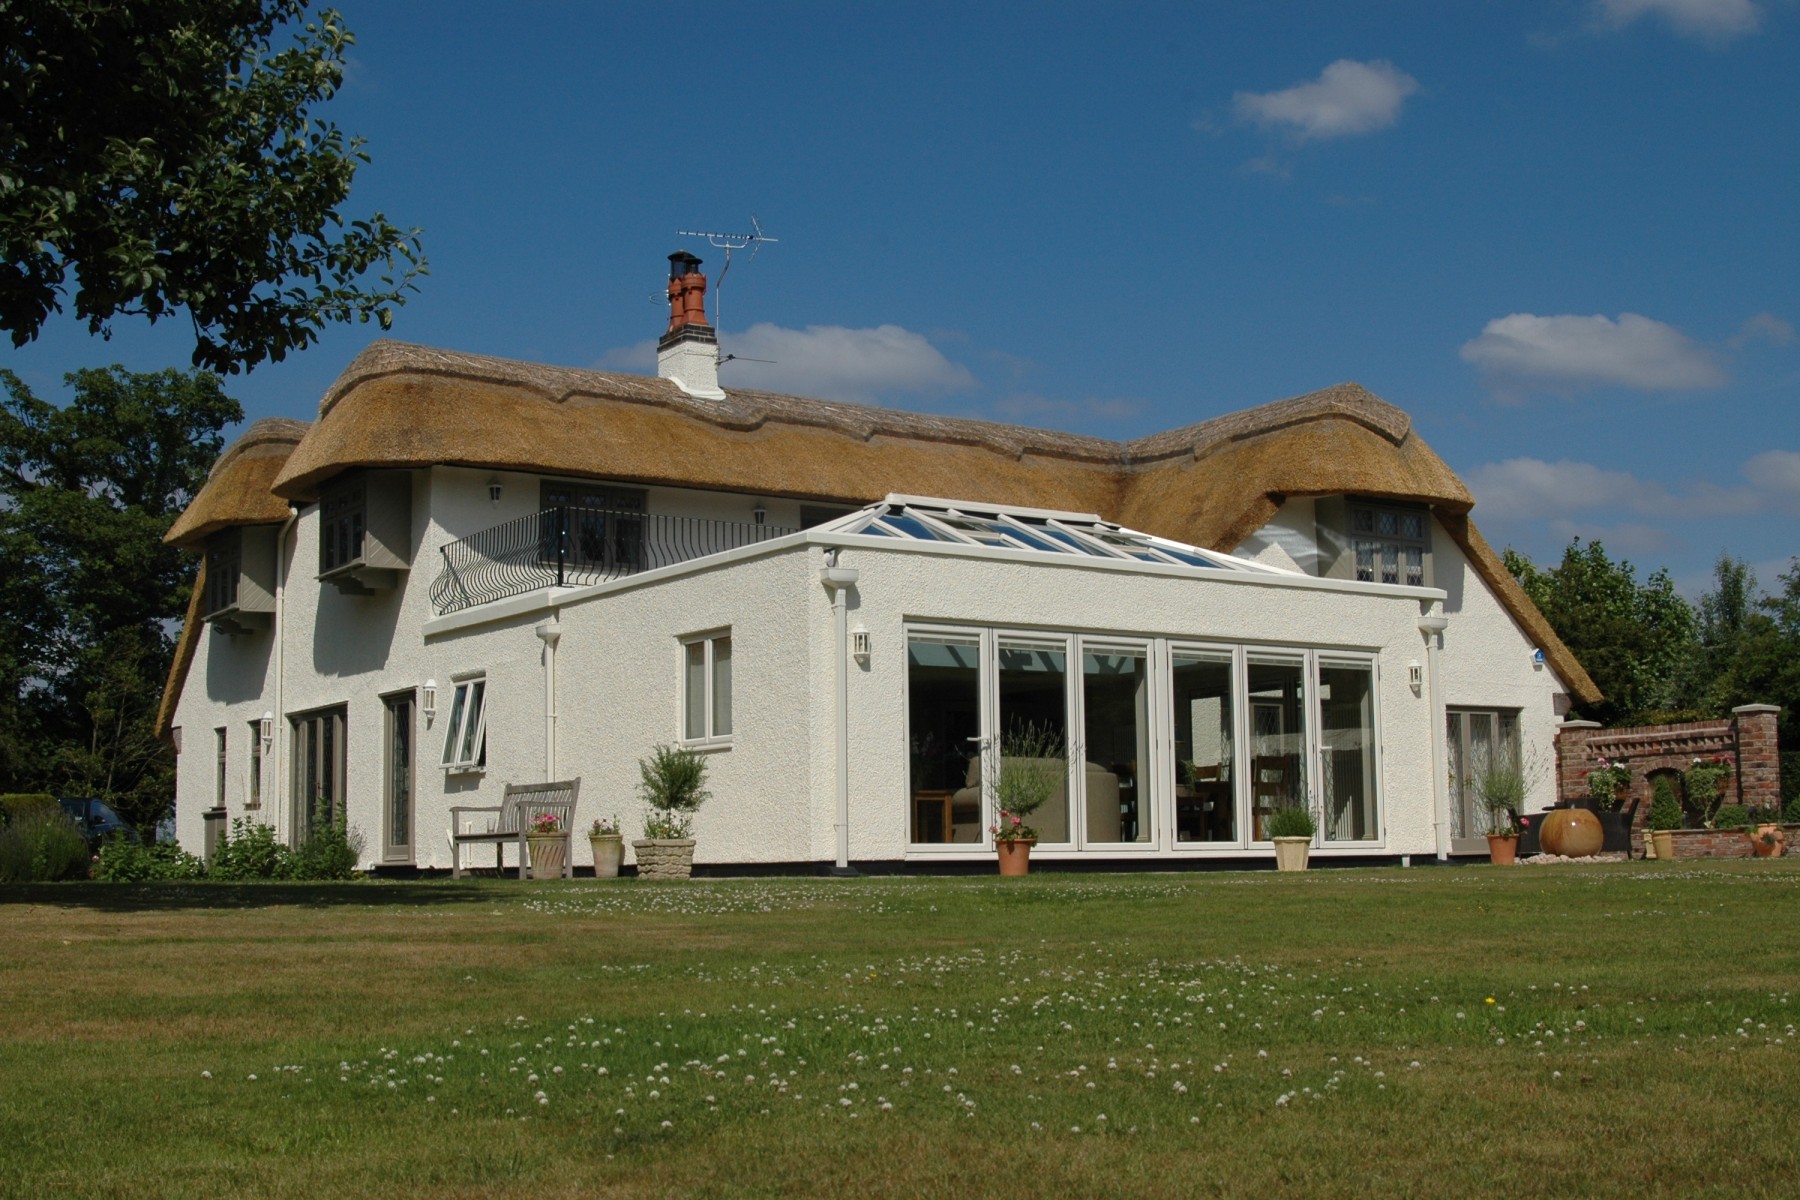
510	821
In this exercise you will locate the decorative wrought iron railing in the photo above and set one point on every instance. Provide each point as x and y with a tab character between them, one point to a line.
572	547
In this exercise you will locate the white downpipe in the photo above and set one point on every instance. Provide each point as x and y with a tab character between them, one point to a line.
838	580
275	789
549	634
1432	625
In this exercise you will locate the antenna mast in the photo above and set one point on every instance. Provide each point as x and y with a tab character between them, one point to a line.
728	242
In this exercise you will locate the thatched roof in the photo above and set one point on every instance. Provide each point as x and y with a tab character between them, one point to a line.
239	488
1212	484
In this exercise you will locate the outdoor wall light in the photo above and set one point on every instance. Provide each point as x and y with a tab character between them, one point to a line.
428	700
1415	675
759	514
494	492
268	729
859	645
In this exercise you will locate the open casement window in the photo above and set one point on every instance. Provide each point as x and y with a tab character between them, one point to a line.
465	733
1475	740
706	689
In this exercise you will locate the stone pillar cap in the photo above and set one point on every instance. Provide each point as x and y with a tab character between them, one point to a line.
1580	725
1757	708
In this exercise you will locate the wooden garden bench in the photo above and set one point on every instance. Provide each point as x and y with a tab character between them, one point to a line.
510	821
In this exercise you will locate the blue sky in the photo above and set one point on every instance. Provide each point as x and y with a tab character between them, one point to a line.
1562	235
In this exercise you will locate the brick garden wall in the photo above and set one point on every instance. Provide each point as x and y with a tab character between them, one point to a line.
1747	737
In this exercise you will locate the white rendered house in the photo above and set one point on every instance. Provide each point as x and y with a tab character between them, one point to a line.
468	572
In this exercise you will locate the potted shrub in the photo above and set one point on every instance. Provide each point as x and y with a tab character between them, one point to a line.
1501	788
1767	838
1665	818
1292	829
1033	764
671	783
1608	783
609	847
549	846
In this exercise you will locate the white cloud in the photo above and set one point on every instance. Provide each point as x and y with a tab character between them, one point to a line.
1764	327
1531	489
830	362
1347	98
1714	20
1567	353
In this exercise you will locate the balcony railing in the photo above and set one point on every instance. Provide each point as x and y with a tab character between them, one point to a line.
572	547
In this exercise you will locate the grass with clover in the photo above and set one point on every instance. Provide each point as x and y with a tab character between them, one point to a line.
1623	1029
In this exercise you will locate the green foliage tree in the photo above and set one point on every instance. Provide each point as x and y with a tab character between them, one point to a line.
162	155
1634	638
89	594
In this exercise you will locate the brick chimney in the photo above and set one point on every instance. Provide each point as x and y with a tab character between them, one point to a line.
688	354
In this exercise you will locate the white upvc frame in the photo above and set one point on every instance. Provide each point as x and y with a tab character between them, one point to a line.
465	728
1157	781
709	737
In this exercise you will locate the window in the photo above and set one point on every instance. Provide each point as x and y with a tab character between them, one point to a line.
254	792
343	516
397	779
224	562
1475	740
465	734
605	525
1390	544
219	770
706	688
320	756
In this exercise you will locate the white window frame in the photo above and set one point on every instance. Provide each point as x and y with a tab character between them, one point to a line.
457	725
709	737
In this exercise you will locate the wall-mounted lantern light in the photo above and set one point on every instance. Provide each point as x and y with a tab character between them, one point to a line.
267	730
859	645
1415	676
759	514
494	491
428	700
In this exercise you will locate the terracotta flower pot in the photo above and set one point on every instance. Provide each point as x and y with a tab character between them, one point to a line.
1292	853
1015	855
1571	833
1503	849
549	855
1767	841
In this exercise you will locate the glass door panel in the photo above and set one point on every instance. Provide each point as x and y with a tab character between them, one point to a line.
397	828
1347	751
1115	745
1205	802
1034	725
943	688
1277	688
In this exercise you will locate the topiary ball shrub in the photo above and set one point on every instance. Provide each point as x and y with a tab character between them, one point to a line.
1665	810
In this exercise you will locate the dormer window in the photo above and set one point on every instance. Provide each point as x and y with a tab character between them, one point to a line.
365	531
1389	543
240	579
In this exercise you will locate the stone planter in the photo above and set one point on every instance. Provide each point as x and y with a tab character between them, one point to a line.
1292	853
1015	855
549	855
664	858
1662	841
609	852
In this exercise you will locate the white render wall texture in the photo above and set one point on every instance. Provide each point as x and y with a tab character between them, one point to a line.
618	667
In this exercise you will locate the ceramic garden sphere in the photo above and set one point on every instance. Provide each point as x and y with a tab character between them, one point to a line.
1572	833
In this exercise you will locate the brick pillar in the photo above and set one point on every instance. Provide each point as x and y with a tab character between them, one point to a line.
1758	761
1575	758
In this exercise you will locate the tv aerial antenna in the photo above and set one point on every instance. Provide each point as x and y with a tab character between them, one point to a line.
729	242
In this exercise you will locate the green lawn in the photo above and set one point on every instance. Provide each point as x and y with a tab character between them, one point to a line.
1618	1029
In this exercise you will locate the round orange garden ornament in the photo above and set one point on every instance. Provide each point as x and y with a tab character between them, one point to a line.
1571	833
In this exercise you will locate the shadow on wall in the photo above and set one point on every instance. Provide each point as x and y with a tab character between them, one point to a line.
354	633
237	667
